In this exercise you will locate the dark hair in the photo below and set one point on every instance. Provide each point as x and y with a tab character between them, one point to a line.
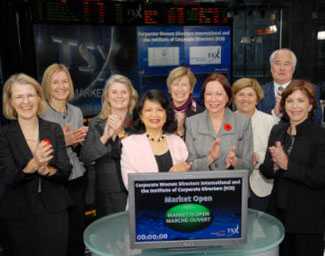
223	81
307	88
160	97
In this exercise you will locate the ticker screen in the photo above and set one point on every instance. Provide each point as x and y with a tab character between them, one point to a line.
128	13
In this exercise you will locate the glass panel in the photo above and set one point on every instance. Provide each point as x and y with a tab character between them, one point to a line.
256	35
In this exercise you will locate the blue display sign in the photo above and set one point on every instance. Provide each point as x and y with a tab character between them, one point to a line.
204	49
144	54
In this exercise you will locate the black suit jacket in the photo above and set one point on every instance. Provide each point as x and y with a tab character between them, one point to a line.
21	190
298	195
106	158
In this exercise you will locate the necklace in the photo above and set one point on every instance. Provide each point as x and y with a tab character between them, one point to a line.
155	139
36	138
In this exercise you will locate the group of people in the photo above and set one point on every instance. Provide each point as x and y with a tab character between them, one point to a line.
273	134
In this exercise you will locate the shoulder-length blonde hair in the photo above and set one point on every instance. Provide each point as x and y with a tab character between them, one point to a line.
8	110
47	77
106	106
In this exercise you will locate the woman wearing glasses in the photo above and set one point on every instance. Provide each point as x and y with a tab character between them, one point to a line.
35	166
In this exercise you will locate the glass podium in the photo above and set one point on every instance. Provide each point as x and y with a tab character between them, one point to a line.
109	236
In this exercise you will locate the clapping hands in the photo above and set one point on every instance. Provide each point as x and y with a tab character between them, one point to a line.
113	127
73	138
214	151
279	157
231	159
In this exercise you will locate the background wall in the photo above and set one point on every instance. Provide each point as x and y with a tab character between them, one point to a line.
259	27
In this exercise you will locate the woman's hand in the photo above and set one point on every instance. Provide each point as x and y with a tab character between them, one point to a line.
74	137
42	155
231	159
279	157
256	159
214	151
46	171
116	124
107	134
181	167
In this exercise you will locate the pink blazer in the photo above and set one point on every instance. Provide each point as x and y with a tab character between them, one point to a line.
137	155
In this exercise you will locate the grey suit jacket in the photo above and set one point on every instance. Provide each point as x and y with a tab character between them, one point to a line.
200	135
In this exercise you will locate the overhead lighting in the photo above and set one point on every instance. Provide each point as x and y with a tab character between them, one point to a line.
273	29
267	31
245	40
321	35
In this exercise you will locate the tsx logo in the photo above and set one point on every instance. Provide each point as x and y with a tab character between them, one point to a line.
233	231
214	55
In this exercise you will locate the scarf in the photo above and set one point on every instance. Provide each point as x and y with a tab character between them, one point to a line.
184	107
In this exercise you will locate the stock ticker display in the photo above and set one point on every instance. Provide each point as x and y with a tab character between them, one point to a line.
91	12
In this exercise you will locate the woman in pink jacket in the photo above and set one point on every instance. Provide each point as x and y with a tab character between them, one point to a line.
153	147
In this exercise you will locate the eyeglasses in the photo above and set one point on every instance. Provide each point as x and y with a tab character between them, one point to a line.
21	97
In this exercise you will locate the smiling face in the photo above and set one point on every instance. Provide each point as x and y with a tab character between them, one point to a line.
153	116
282	67
25	100
215	97
297	107
118	96
246	101
59	87
180	89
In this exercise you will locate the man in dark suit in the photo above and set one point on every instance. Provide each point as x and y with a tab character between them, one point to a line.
283	63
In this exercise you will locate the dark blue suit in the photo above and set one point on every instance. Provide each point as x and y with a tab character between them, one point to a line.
268	102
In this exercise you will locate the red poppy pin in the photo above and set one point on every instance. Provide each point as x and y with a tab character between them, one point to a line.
227	127
128	122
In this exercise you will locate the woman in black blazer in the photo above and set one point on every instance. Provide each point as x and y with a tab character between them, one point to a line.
103	143
295	160
34	166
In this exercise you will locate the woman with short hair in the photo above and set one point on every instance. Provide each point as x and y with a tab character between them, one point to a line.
295	160
180	83
153	147
35	167
247	93
218	138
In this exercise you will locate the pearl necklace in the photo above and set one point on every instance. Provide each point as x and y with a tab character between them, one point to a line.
155	139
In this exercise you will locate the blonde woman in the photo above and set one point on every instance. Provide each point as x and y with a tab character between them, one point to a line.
180	83
103	143
35	167
58	90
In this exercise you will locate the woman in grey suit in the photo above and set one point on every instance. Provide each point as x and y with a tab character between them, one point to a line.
218	138
103	143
